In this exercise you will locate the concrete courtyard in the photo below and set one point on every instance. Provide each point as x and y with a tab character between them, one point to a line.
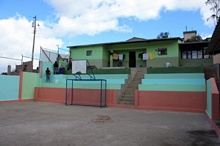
51	124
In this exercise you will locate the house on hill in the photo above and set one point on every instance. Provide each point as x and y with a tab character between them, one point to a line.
140	52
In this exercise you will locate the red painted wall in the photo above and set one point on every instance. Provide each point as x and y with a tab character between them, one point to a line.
171	100
156	100
80	96
215	101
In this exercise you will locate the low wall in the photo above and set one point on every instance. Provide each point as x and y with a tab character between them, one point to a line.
212	109
18	88
9	88
198	69
81	96
111	71
175	76
171	100
163	100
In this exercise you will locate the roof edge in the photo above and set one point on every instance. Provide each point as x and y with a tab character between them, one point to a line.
127	42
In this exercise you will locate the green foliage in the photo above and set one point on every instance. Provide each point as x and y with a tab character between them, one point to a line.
4	73
163	35
196	38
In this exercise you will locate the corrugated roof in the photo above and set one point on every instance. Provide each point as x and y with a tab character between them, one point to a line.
127	42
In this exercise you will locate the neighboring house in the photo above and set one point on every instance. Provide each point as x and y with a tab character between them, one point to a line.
63	57
139	52
193	54
192	50
26	66
214	49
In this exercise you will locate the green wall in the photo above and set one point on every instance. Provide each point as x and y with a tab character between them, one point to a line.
96	58
196	62
111	71
160	60
30	81
180	82
105	58
198	69
125	49
79	53
101	57
171	45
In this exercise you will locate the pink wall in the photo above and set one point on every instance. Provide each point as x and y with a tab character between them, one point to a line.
155	100
215	101
171	100
80	96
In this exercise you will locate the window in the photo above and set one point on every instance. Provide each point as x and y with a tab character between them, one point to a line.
194	54
89	53
162	51
184	55
199	53
189	54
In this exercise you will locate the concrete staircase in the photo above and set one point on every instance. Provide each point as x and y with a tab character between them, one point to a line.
127	96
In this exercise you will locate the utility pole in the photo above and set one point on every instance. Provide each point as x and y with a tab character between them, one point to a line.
33	25
58	52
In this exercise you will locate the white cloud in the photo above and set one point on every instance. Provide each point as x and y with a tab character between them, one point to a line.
84	17
94	16
17	39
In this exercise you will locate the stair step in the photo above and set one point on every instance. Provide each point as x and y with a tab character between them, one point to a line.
126	103
131	93
127	97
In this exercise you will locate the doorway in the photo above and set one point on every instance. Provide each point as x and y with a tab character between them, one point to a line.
132	59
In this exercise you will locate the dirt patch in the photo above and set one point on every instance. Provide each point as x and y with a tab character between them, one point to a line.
203	138
102	119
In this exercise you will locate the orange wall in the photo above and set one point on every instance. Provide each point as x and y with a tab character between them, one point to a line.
80	96
215	101
155	100
170	100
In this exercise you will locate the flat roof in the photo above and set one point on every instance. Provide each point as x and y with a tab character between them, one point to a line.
192	31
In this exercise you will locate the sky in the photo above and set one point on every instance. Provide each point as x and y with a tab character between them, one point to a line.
62	23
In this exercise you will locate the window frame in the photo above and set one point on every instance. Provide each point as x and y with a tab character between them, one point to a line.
162	51
89	53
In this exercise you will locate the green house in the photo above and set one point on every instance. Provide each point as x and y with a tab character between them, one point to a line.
139	52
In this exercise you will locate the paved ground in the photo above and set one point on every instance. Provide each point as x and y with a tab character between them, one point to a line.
45	124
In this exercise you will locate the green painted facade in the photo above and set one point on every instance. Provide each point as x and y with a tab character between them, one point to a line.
160	60
98	57
196	62
162	70
102	54
30	81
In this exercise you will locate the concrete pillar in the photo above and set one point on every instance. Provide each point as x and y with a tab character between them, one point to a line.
9	69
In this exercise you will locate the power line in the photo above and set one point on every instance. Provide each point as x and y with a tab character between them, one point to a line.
10	58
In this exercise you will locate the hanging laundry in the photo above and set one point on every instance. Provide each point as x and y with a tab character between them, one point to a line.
145	56
115	56
121	56
151	55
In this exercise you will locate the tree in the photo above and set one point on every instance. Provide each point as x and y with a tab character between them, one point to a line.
215	8
4	73
163	35
196	38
